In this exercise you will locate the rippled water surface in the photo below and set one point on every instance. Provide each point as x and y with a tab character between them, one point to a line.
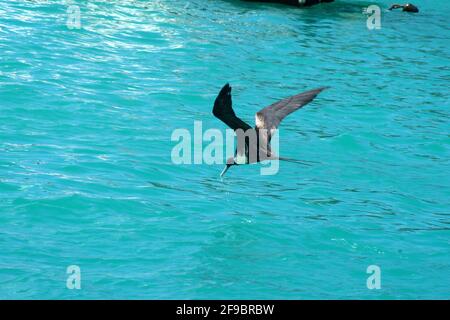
86	177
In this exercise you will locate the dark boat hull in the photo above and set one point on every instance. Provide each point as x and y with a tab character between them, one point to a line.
297	3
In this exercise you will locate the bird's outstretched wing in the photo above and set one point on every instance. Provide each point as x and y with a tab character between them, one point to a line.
223	110
270	117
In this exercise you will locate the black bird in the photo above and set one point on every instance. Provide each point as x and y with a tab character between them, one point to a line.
267	121
406	7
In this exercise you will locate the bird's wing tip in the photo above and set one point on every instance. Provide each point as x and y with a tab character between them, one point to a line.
227	87
319	90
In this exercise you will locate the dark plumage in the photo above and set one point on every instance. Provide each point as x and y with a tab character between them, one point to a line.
266	121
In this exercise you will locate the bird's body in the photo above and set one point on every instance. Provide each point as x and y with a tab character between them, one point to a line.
254	142
406	7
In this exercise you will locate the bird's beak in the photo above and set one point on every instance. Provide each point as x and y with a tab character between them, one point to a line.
225	170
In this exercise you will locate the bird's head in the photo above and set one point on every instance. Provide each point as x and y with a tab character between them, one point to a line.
410	8
230	162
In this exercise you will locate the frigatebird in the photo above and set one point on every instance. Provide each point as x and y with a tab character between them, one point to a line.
267	121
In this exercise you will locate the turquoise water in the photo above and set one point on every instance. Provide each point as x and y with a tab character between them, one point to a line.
86	177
